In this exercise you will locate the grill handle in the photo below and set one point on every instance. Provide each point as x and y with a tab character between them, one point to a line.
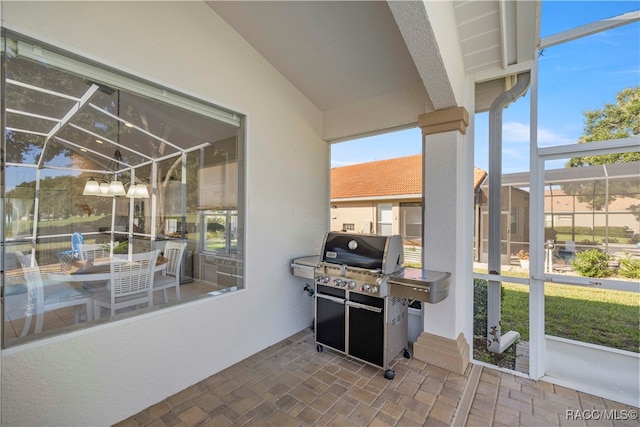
330	298
364	307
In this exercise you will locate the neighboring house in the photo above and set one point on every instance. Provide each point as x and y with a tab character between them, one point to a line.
382	197
568	217
385	197
563	210
514	223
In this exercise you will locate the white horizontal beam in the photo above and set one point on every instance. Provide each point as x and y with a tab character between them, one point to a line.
495	73
611	146
588	29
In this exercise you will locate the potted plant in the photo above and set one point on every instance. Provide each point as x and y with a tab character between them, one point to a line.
524	258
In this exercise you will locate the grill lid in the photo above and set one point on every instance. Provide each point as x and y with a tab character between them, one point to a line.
372	252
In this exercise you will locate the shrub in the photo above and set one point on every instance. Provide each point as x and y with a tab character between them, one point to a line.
585	242
613	231
508	357
121	248
592	263
480	307
214	227
567	229
629	267
598	231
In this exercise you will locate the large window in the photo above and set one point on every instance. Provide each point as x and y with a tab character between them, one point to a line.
70	125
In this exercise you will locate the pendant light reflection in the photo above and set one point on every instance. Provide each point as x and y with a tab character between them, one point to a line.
92	188
138	191
114	188
104	189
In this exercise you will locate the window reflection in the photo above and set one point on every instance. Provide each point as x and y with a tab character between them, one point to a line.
19	201
63	129
222	231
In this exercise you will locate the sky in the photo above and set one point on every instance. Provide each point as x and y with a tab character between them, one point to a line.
580	75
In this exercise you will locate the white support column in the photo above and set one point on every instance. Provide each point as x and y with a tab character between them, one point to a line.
448	195
537	350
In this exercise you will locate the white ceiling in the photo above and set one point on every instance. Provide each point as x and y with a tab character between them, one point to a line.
336	53
341	52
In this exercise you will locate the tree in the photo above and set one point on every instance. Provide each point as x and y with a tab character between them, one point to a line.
613	121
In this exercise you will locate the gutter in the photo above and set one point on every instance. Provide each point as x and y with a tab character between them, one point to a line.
496	342
378	198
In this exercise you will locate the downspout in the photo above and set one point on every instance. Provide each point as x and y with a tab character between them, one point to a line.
478	193
496	342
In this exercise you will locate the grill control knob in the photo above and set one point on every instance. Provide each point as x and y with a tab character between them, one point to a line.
365	288
323	279
379	281
338	282
351	284
374	289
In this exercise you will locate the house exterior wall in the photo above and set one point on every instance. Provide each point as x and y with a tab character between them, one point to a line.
364	214
598	219
569	210
514	224
79	378
361	214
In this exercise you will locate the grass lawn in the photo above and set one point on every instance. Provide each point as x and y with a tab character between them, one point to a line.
597	316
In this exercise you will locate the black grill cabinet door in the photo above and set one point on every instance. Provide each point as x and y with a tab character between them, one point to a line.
330	318
366	328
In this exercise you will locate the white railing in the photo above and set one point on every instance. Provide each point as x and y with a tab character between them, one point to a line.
413	255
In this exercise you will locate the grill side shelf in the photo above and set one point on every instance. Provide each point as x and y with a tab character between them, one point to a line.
422	285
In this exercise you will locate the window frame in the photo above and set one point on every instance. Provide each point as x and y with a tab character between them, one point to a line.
78	67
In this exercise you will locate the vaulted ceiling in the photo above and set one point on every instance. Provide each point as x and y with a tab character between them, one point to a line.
342	52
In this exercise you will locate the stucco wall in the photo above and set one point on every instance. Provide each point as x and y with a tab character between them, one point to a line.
79	378
361	214
592	372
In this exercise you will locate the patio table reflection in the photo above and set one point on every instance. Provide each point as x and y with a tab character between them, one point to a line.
96	270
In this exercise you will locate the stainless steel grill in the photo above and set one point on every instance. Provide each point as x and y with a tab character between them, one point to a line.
362	294
355	313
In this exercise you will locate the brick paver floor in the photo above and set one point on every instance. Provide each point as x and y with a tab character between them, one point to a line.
291	384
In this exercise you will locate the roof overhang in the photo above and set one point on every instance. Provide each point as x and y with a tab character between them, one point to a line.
371	66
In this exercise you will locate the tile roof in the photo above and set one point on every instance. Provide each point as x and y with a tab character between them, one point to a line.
479	176
392	177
